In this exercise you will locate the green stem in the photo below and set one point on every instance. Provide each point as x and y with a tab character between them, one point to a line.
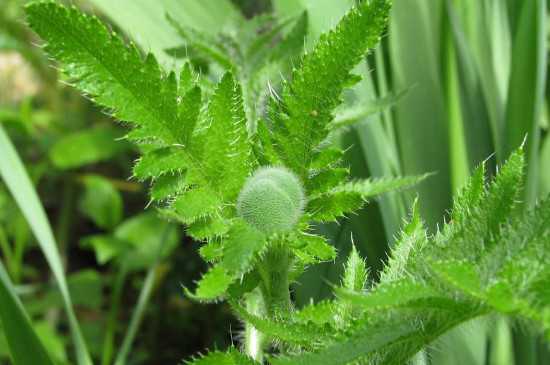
274	270
108	344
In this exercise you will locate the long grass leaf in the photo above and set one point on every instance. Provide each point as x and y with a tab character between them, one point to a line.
19	184
25	346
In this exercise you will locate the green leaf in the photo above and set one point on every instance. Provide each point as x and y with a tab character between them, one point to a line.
325	180
293	42
296	333
188	112
355	275
211	251
212	286
225	160
313	249
206	44
460	274
88	147
373	187
160	162
351	349
195	203
326	158
232	357
169	185
146	22
101	202
328	207
402	293
123	82
24	344
206	227
408	248
318	313
105	247
18	182
306	107
240	247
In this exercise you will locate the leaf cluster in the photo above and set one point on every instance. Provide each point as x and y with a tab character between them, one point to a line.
487	260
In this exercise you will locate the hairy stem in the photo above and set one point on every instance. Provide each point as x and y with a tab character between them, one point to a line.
274	270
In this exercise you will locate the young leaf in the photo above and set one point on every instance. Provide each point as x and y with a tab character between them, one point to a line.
301	117
355	275
212	286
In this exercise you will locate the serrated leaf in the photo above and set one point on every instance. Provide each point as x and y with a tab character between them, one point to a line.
211	251
214	358
501	297
123	82
408	248
325	180
212	286
313	249
169	185
355	274
326	158
225	140
328	207
195	203
231	357
292	332
460	274
470	194
397	294
353	348
160	162
373	187
301	117
263	145
318	313
206	227
248	282
240	246
188	112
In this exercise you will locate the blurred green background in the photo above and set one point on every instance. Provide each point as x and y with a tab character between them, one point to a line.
473	74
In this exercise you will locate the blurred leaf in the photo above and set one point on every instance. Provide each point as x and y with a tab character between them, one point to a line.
88	147
18	182
101	202
52	341
142	232
25	346
105	247
86	288
146	23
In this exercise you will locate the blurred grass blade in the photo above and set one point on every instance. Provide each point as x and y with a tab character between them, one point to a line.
527	87
19	184
137	315
24	344
143	300
457	145
420	117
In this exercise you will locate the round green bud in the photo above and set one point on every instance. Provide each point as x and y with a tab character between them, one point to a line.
271	200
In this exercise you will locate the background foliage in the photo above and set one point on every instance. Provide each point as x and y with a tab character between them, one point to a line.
474	77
